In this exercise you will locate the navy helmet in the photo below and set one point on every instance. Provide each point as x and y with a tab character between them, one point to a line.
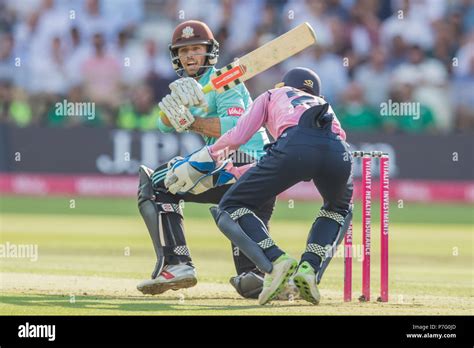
302	78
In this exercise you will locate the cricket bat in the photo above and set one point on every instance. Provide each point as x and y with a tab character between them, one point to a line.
259	60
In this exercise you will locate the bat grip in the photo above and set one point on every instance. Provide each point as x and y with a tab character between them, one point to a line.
164	118
207	88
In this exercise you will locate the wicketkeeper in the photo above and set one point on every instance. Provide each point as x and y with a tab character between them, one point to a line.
310	145
194	53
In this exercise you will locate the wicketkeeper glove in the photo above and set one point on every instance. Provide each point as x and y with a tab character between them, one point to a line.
197	173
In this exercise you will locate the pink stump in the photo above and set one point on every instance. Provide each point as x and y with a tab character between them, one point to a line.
348	264
384	208
366	215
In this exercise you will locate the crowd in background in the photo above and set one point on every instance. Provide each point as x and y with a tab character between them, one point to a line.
114	53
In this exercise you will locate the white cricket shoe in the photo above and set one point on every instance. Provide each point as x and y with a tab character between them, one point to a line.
274	283
172	277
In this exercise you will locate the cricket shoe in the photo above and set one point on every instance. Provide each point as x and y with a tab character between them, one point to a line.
305	281
172	277
274	283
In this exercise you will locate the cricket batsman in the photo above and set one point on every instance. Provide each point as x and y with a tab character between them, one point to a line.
194	53
310	145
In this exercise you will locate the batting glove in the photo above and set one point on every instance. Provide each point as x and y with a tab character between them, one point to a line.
188	92
179	115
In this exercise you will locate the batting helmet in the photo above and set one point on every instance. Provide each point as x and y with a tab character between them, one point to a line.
302	78
193	33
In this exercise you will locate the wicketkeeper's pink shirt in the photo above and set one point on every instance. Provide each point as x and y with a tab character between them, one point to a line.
273	110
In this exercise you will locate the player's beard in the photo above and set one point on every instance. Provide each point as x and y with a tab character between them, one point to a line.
192	71
198	63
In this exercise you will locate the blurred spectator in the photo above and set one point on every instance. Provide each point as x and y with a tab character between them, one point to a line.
243	16
138	113
158	72
397	52
222	36
313	12
24	33
270	21
53	21
74	39
21	9
464	56
419	120
14	108
428	11
354	113
409	25
20	111
466	8
462	90
341	37
126	55
48	74
444	45
52	50
363	28
7	18
374	78
454	20
91	21
429	76
329	67
124	15
205	11
5	100
339	9
78	51
7	60
101	76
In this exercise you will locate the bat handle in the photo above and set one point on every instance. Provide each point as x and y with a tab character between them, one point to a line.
164	118
206	89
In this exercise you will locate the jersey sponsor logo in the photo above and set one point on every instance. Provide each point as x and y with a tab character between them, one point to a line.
235	111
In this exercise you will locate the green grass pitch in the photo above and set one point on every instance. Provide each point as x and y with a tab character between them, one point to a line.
93	252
